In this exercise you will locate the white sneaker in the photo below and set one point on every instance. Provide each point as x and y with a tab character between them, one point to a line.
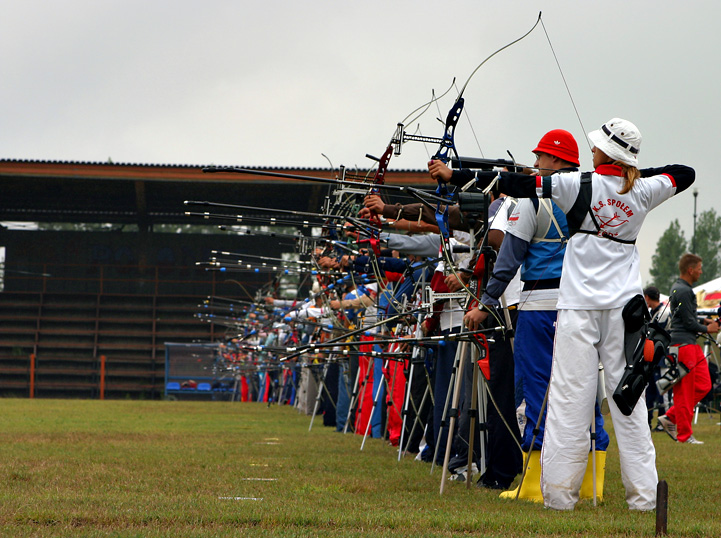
693	441
460	473
668	426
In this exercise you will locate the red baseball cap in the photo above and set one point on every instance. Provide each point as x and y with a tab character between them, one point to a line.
561	144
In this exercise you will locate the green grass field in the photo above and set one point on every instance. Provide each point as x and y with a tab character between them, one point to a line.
144	468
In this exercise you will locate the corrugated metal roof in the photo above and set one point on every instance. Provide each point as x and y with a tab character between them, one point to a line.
73	191
194	166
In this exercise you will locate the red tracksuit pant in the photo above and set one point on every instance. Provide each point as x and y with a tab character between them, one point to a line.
690	390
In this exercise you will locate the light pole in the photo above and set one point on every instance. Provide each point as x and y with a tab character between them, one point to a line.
693	239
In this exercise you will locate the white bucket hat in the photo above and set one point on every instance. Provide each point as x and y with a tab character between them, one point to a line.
619	139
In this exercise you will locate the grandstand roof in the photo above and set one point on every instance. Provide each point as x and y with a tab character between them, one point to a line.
146	194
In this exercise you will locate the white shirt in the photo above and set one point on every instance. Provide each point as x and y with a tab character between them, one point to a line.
598	273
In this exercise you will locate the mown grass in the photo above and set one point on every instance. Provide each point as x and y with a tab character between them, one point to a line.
161	469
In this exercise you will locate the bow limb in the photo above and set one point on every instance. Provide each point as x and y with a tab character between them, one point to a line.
504	47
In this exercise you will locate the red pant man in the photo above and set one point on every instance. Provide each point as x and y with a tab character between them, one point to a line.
690	390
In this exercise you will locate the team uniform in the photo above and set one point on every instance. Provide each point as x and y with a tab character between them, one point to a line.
601	273
535	242
536	232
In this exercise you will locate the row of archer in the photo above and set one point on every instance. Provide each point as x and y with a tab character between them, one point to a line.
498	459
375	345
440	383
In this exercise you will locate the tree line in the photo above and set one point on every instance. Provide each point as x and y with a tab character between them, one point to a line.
673	244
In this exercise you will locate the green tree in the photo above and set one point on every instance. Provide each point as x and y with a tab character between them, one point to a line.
706	243
670	247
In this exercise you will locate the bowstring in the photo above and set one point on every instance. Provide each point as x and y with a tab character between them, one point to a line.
565	83
473	130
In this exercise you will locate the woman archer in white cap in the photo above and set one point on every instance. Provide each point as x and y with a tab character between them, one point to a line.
601	273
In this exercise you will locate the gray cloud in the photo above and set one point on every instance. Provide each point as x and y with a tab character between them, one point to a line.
278	83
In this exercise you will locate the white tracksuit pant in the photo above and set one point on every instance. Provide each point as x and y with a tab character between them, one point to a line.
582	338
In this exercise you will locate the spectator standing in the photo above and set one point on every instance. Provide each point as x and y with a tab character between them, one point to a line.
685	328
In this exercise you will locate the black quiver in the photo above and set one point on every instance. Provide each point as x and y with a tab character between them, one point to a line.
645	345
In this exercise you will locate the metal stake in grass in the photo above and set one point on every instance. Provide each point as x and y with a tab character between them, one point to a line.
661	508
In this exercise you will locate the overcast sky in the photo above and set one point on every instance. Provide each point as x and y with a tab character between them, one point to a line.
278	83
